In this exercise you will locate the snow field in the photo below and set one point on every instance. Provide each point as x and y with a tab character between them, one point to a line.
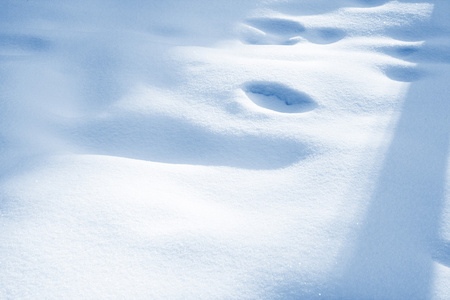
224	150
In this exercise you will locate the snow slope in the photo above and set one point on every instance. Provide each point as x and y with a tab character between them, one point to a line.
290	149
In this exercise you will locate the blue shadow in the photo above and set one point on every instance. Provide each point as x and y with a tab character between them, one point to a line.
394	254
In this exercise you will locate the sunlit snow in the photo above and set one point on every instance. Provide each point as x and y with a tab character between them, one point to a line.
198	149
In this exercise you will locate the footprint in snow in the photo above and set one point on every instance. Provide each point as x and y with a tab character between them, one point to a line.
405	51
419	52
403	73
278	31
278	97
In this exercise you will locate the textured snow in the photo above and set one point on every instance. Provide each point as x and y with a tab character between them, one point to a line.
290	149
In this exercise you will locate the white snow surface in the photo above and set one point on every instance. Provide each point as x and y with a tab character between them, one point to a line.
198	149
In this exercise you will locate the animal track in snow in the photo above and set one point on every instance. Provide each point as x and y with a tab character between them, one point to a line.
325	35
403	73
405	51
278	31
420	52
278	97
271	31
277	26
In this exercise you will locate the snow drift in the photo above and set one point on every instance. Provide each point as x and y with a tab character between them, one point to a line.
293	149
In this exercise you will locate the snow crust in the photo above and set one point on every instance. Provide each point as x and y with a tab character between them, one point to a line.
259	149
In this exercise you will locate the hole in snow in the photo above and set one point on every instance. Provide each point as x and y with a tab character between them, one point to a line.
277	26
404	73
278	97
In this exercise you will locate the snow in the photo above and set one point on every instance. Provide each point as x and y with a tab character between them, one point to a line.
262	149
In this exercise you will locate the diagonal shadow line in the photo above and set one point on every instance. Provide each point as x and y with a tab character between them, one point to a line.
393	255
441	253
